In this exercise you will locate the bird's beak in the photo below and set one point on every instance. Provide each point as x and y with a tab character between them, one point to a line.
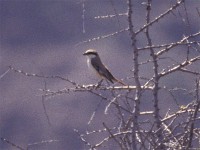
85	53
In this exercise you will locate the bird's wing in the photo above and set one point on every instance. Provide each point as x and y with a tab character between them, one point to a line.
95	64
102	70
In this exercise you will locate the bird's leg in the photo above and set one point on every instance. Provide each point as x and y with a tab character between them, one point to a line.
99	83
108	82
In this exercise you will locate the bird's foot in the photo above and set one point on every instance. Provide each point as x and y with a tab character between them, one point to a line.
99	84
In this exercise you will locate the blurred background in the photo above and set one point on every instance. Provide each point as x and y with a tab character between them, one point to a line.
41	37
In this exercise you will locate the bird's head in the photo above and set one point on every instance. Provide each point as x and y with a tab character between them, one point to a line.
91	53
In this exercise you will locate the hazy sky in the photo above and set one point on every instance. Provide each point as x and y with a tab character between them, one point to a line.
40	36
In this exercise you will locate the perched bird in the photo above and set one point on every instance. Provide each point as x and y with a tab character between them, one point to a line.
94	61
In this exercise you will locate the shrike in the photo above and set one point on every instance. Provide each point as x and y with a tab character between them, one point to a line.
94	61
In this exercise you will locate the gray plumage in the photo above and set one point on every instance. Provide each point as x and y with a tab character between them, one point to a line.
95	62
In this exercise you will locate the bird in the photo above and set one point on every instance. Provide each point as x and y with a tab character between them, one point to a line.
94	61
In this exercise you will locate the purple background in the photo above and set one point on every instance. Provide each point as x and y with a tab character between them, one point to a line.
40	36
